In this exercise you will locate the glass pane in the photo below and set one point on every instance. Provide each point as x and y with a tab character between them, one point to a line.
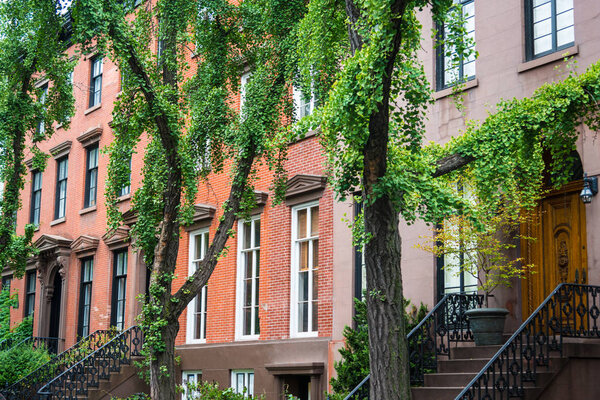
303	286
542	44
256	291
239	387
564	20
563	5
315	285
257	233
198	324
247	292
565	36
542	28
469	9
256	321
314	221
315	254
470	24
539	2
247	321
469	69
93	158
198	247
542	12
315	316
301	224
303	256
247	235
205	241
257	261
302	317
250	384
248	261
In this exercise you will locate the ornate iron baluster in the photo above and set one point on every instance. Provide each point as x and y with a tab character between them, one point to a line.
446	323
96	366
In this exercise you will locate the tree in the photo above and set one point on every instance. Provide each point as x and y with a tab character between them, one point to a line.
190	128
31	51
374	98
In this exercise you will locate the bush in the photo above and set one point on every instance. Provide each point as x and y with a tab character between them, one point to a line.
354	365
18	362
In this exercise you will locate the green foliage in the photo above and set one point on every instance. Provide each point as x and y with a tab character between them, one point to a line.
18	362
211	391
354	365
31	51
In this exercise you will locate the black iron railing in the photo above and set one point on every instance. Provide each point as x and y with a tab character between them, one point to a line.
446	323
27	387
571	310
51	344
74	382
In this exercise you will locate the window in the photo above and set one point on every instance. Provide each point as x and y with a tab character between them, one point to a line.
119	286
96	82
91	176
242	381
248	324
85	297
360	266
126	189
30	293
6	282
62	165
449	71
36	198
41	127
191	381
549	26
305	262
304	105
244	81
196	318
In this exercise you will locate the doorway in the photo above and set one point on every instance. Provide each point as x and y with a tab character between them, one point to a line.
54	327
559	253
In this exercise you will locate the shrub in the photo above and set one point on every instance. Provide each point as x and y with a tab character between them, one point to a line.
19	361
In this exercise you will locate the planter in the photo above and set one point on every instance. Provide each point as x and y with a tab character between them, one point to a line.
487	325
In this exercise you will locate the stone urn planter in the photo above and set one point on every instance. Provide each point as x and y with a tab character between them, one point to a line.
487	325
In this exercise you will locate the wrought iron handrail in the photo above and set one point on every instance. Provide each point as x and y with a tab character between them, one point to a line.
98	365
571	310
50	343
27	386
446	323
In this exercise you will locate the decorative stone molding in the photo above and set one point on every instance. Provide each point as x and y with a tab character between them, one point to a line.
61	150
117	238
303	187
203	215
260	198
130	217
90	136
29	163
54	244
85	245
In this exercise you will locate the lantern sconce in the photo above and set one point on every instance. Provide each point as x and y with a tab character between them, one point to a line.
590	188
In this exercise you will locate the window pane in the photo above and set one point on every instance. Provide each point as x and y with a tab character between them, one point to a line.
302	317
564	20
315	285
247	235
565	36
315	316
247	321
257	233
303	256
563	5
197	247
301	224
539	2
542	28
542	44
315	254
303	286
542	12
469	69
314	221
256	321
257	260
469	9
248	263
247	292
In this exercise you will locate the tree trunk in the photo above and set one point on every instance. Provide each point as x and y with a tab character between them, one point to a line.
162	366
388	351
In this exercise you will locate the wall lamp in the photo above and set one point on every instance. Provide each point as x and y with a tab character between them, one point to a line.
590	188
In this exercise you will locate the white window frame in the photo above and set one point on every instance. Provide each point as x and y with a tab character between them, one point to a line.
248	377
299	103
184	380
191	308
294	278
239	309
243	82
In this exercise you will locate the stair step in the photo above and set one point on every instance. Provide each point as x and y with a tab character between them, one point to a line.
437	393
472	365
448	379
473	352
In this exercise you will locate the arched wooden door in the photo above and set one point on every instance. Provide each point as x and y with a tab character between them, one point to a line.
559	253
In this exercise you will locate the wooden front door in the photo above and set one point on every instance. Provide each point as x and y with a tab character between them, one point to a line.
559	253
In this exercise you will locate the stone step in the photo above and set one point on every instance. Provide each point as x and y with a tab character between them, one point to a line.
448	379
473	352
472	365
437	393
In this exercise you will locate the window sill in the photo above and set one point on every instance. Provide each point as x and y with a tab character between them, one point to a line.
58	221
92	109
87	210
299	335
448	92
247	338
123	198
195	341
538	62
